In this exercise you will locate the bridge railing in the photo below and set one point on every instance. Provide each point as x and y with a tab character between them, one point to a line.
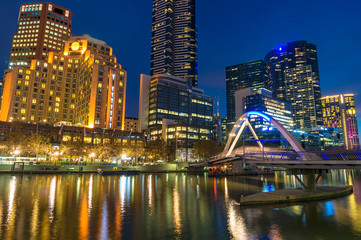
291	156
297	156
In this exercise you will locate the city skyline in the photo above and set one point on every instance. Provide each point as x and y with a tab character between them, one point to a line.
338	62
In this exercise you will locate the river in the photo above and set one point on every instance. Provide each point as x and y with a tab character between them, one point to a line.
170	206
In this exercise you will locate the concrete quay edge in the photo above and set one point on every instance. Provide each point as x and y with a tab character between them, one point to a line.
296	195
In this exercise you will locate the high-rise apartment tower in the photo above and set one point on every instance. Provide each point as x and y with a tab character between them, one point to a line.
174	39
294	77
42	28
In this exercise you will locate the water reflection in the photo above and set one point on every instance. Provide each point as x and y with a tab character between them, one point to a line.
169	206
52	198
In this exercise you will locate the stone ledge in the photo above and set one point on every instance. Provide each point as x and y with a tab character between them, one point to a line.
296	195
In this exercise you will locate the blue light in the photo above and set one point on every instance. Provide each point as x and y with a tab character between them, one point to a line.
259	114
235	132
280	49
329	208
326	157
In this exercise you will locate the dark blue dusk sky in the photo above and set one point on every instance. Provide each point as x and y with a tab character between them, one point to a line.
229	32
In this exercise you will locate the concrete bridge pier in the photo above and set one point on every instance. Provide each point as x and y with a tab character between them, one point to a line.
309	177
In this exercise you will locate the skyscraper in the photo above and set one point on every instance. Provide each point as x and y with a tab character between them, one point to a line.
82	85
247	75
42	28
294	77
174	39
338	111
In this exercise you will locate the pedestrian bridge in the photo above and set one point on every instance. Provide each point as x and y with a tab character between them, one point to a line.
298	158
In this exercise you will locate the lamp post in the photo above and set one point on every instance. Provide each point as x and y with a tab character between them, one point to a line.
16	152
176	145
56	154
92	155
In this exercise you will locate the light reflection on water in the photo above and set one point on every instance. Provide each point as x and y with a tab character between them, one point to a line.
169	206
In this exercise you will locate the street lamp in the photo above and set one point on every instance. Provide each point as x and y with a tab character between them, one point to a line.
16	152
92	155
56	154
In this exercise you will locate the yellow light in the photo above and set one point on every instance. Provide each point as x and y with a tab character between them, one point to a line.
75	46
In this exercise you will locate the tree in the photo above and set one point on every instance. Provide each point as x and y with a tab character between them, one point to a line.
157	149
135	150
106	151
74	149
204	149
16	139
38	144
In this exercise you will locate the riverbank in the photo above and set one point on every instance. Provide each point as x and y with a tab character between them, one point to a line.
61	169
296	195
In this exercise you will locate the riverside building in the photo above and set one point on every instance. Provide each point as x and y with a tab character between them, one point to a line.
83	85
294	77
172	110
42	28
339	111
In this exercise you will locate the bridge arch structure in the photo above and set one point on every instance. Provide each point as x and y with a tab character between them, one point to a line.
243	122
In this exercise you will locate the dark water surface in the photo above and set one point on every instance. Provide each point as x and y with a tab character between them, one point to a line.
169	206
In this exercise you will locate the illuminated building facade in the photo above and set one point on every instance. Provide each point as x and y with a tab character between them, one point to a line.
320	138
64	133
42	28
261	100
292	55
82	85
173	98
294	76
164	101
224	130
247	75
174	39
303	92
131	124
339	111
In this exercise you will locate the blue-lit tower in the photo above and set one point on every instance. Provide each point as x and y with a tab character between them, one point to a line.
294	76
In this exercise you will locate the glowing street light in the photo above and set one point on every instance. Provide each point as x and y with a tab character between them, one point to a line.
56	154
16	152
92	155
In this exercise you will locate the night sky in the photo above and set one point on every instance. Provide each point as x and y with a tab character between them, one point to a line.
229	32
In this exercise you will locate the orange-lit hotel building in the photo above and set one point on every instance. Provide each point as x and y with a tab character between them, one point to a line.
338	111
83	85
42	28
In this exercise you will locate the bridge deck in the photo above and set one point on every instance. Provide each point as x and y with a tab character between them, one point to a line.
320	160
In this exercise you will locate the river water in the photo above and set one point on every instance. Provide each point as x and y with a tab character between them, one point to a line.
169	206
